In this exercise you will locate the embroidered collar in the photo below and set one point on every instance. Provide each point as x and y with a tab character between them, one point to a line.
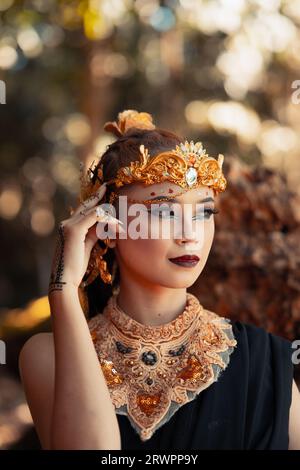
151	371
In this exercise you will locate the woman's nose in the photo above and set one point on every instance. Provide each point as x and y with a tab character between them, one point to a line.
189	234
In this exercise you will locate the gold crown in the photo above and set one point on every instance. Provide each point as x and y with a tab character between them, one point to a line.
188	165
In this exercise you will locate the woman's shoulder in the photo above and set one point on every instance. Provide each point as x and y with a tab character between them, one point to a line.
256	337
262	353
265	374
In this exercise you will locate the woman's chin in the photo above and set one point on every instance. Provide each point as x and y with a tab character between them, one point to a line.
180	280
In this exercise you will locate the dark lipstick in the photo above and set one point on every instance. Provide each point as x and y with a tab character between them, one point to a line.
186	260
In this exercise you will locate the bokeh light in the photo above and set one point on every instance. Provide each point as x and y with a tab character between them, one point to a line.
219	71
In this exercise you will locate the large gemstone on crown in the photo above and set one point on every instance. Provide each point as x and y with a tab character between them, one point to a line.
191	176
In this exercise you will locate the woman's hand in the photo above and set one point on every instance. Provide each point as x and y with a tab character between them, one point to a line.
76	238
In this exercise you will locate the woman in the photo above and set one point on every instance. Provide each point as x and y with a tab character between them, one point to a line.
172	374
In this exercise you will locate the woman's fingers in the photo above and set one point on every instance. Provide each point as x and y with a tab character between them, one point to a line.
97	214
91	239
91	201
105	216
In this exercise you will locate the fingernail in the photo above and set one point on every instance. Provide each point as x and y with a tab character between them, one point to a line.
114	219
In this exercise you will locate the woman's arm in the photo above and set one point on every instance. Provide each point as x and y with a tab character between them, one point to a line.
294	420
83	414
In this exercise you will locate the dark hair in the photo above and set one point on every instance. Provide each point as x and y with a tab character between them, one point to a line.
121	153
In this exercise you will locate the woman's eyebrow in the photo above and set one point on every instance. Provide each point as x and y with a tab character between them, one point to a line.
207	199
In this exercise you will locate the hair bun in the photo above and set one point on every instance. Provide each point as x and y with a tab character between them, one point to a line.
127	119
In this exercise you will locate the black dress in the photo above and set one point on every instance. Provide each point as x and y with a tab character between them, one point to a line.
246	408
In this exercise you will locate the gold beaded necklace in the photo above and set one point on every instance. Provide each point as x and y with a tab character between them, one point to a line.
151	371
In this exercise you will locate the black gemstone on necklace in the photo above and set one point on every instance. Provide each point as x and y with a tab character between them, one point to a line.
149	358
179	351
149	381
122	348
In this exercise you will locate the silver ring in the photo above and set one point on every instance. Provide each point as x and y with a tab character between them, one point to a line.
102	214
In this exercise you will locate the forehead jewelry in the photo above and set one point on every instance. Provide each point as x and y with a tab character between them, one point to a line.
163	199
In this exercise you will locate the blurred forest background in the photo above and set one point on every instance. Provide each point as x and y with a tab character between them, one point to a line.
221	71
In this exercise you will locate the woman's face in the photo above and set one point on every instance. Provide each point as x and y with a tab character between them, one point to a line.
148	258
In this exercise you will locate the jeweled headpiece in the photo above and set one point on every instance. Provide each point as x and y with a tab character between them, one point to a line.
188	165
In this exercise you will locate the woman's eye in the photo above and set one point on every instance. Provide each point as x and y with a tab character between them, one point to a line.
162	213
207	213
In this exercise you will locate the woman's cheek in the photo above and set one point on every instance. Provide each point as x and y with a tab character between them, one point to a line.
209	236
142	252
